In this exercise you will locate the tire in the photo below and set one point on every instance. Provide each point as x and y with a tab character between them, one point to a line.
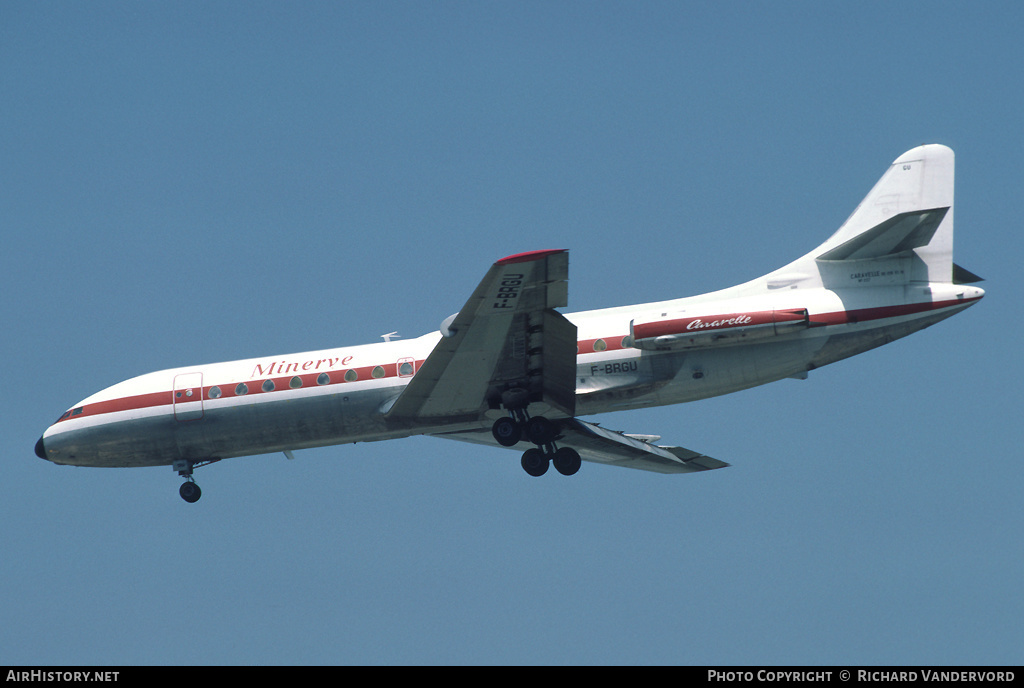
190	492
567	461
535	463
507	432
540	430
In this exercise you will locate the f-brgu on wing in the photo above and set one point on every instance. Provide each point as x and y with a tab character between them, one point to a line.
507	337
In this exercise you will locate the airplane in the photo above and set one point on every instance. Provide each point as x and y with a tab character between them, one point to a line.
509	370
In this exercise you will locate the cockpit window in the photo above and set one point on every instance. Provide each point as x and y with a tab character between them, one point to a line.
71	412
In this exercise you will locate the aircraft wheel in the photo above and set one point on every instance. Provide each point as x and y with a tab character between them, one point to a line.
535	463
506	431
567	461
190	492
540	430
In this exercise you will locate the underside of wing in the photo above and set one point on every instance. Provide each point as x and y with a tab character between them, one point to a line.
506	340
600	445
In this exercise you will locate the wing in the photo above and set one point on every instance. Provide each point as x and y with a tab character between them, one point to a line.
506	339
600	445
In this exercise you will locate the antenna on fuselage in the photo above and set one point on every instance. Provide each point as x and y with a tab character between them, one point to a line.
387	337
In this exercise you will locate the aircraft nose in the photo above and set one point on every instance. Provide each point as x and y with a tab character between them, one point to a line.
40	449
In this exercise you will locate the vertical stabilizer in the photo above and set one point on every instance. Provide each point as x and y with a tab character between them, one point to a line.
901	233
908	214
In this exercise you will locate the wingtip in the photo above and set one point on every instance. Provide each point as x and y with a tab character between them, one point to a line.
529	256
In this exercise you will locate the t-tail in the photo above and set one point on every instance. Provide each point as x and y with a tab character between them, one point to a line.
900	234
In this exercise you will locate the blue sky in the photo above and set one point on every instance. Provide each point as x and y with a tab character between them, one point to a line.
184	183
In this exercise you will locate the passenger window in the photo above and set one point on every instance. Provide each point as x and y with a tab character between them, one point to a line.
323	379
378	372
295	382
215	392
351	376
242	389
599	345
268	386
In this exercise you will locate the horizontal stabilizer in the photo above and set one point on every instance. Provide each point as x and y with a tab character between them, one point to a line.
900	233
964	276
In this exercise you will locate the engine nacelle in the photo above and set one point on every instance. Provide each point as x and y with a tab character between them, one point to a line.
722	329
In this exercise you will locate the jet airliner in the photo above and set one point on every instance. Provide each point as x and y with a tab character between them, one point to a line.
510	370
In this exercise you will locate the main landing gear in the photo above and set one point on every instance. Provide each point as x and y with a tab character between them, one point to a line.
508	431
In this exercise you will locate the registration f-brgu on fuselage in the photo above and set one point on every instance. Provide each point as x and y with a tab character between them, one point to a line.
510	370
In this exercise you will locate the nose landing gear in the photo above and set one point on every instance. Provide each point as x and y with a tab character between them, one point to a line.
189	490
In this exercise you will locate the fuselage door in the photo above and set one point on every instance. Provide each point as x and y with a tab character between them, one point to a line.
188	396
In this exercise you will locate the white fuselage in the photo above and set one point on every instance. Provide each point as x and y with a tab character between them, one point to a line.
699	347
